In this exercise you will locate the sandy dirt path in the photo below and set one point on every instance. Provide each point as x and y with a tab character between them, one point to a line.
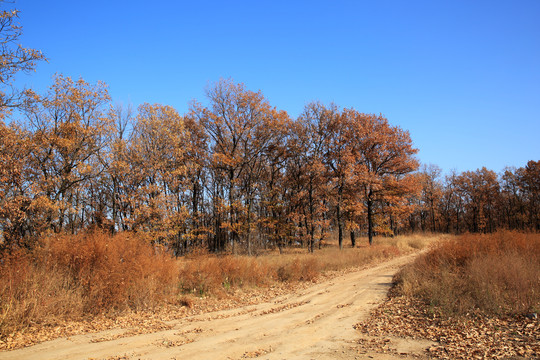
313	323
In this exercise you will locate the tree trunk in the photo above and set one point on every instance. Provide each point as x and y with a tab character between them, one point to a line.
370	219
248	236
340	235
340	223
312	220
353	239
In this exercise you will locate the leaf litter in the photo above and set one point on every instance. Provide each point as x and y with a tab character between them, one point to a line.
475	336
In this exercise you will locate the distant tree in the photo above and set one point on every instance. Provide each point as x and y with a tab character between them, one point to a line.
116	162
530	178
18	205
479	190
156	176
240	127
512	199
431	197
307	171
339	160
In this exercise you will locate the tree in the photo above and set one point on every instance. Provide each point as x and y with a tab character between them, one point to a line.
69	131
239	124
307	170
156	177
479	190
339	160
530	179
384	155
14	58
512	199
117	167
19	215
431	196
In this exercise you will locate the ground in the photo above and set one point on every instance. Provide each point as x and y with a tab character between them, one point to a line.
311	322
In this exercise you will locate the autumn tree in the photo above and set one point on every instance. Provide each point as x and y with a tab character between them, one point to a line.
530	180
274	208
339	160
480	190
69	130
18	205
196	162
117	165
451	203
156	176
429	201
384	156
14	58
239	124
307	171
512	199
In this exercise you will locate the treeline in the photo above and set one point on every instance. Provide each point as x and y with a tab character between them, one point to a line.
478	201
236	173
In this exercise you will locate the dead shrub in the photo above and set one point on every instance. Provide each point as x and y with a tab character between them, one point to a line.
505	284
113	273
69	277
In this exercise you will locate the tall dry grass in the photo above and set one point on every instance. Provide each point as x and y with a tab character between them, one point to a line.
495	274
72	277
207	274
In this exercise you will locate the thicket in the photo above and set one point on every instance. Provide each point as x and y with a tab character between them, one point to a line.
496	274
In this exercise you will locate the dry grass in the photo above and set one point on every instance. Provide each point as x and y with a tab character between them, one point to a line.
207	274
413	242
71	277
494	274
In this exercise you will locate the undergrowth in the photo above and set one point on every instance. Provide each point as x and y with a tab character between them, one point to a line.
495	274
76	276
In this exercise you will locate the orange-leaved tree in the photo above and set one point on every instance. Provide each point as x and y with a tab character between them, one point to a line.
240	126
69	131
384	155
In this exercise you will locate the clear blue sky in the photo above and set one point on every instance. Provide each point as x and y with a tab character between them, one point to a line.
462	76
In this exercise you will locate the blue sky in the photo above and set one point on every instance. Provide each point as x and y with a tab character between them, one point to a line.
462	76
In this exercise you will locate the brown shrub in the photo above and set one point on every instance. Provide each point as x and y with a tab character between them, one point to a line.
73	276
497	273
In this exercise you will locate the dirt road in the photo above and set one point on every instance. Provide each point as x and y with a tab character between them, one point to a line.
314	323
